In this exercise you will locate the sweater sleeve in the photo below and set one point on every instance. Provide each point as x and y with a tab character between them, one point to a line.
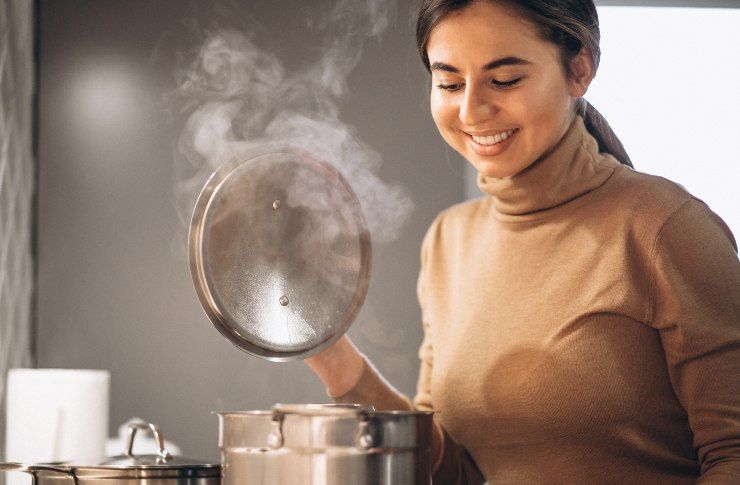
695	306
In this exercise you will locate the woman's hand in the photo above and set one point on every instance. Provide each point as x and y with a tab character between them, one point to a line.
339	367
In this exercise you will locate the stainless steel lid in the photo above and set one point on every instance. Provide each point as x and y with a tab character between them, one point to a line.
128	465
162	465
279	254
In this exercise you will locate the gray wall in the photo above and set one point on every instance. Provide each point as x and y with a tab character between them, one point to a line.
16	190
114	291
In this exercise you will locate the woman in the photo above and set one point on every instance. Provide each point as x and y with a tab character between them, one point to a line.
581	320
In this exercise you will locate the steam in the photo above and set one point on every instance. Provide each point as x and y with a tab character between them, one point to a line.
242	102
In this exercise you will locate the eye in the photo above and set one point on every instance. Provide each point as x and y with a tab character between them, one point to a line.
504	84
450	87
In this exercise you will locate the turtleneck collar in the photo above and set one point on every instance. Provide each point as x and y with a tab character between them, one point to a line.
572	168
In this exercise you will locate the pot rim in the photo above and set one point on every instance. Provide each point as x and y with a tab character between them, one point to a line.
116	471
321	410
370	413
146	471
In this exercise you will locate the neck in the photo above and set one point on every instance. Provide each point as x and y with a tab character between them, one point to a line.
571	168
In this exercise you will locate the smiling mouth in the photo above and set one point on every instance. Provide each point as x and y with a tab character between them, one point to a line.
487	141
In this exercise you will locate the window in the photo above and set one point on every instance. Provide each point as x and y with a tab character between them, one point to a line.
667	84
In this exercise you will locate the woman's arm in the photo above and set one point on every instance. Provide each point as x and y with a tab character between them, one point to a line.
695	306
339	367
350	378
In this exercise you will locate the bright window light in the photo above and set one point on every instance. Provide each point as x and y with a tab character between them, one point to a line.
668	85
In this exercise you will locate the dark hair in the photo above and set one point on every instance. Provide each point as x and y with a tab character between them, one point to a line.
569	24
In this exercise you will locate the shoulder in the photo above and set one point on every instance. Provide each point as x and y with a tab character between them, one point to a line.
693	264
452	224
650	197
683	239
692	230
650	202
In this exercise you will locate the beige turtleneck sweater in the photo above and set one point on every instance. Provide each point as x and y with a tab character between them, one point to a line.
582	326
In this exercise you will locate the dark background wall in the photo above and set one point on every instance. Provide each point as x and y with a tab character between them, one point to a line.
114	291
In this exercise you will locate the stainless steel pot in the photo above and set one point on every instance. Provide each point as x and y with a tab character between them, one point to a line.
126	469
313	444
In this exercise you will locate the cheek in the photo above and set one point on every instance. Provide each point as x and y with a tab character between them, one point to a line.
444	112
548	100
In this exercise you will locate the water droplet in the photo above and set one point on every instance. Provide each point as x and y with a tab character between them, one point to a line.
277	205
284	300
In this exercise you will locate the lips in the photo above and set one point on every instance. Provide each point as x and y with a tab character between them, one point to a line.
488	140
492	144
490	132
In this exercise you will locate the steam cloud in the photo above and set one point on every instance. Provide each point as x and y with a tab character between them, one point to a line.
242	102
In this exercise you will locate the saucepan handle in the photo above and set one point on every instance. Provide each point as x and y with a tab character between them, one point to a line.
32	469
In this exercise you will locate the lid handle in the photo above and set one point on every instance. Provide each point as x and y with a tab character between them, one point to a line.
134	427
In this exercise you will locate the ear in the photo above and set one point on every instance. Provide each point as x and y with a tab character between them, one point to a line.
583	73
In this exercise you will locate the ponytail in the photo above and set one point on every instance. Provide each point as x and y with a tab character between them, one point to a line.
603	133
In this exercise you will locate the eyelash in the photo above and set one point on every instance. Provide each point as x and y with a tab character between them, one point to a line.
497	84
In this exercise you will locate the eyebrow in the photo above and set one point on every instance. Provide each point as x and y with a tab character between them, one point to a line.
504	61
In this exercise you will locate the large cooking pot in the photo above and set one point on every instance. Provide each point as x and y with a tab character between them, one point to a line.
127	469
324	444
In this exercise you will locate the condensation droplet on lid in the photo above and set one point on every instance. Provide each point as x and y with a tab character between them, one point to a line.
277	205
284	300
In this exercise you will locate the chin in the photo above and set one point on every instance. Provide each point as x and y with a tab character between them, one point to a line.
495	169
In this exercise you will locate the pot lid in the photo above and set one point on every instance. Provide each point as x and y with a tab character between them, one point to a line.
162	465
279	254
130	465
145	462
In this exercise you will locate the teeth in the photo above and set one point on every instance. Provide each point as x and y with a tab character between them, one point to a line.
492	140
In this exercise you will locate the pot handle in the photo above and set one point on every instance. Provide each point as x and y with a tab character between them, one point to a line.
33	469
13	467
364	438
134	427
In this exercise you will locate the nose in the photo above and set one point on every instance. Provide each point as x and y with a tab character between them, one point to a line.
474	107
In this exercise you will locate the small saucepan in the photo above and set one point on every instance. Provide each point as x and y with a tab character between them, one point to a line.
126	469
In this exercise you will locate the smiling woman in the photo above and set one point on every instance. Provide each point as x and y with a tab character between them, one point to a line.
526	95
581	319
541	88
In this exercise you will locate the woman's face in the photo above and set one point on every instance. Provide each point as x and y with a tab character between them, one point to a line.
500	96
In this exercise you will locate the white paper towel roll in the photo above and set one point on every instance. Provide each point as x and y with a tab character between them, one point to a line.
56	415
